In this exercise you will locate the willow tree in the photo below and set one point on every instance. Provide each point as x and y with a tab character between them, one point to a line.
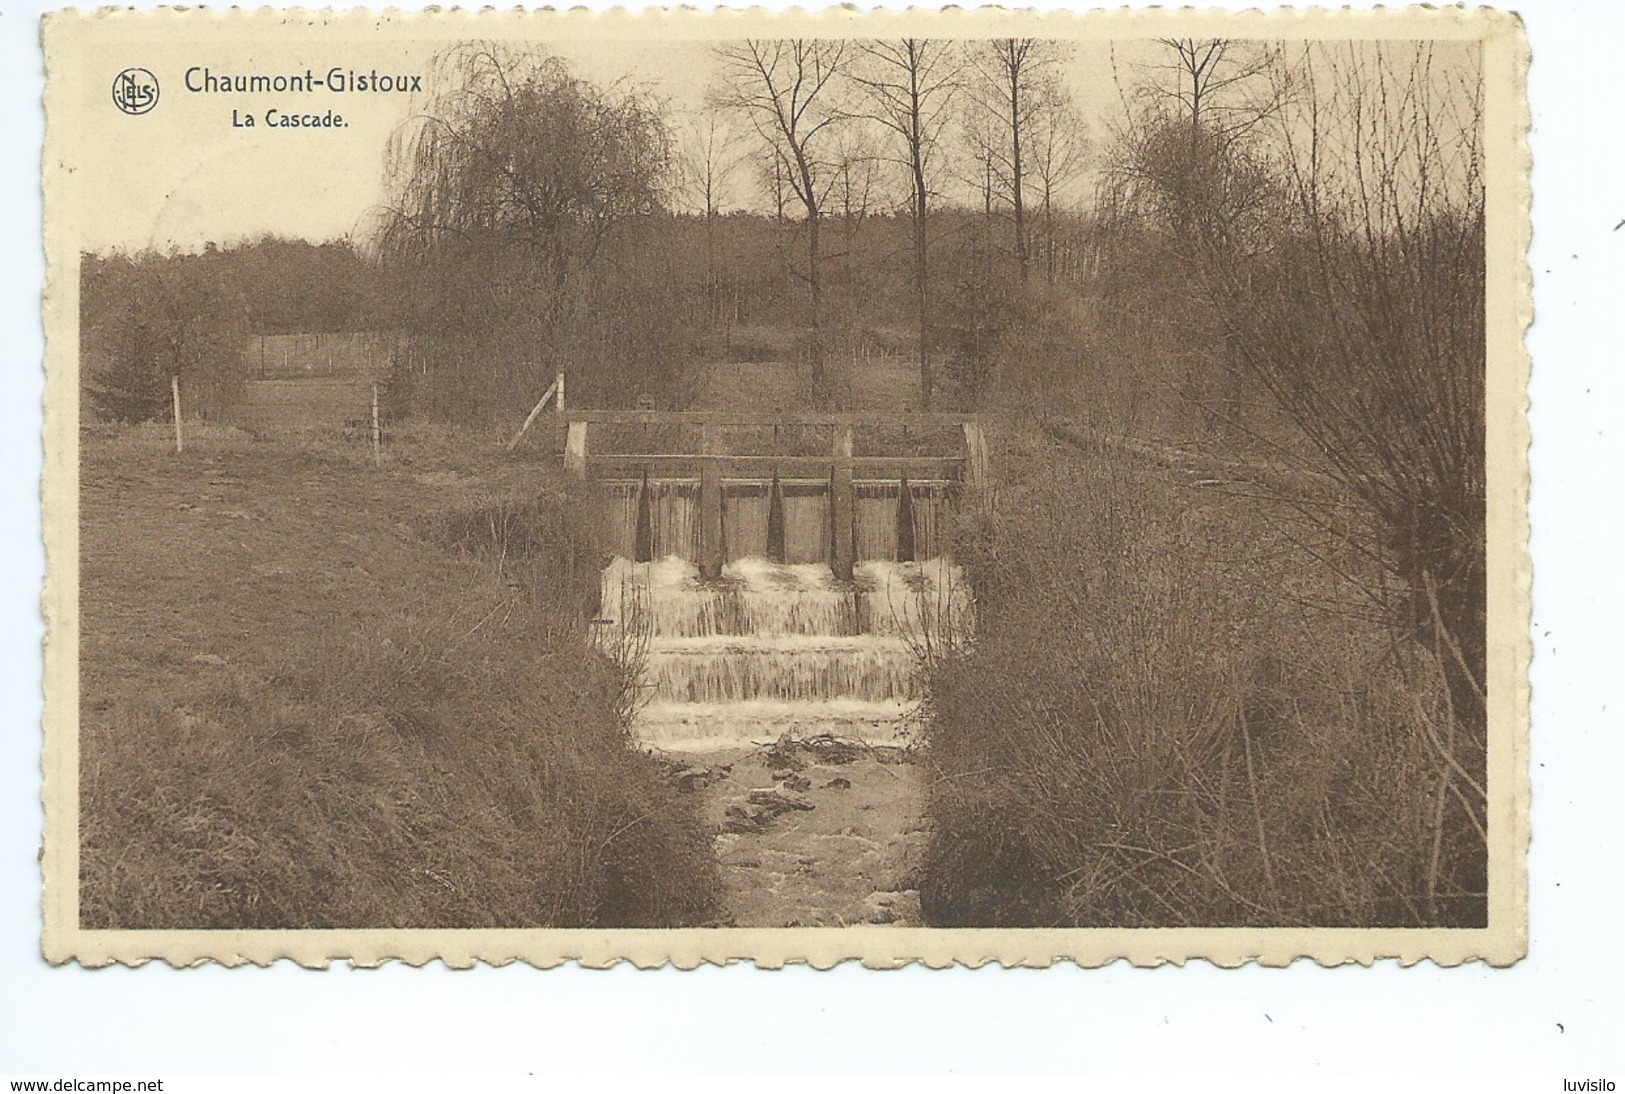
1365	318
503	194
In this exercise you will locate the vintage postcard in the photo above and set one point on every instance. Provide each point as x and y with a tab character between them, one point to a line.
684	487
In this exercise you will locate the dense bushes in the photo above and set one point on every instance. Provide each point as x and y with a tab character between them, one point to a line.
1262	704
146	319
1153	729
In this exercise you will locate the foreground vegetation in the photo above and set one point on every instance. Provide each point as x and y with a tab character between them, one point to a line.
1176	713
301	708
1230	662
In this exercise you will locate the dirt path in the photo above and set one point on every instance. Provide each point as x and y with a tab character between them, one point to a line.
818	833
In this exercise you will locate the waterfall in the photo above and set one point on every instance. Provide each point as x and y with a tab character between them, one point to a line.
777	647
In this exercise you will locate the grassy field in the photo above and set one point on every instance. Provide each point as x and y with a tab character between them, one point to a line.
316	693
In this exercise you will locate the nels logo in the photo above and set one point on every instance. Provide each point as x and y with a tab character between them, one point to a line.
135	91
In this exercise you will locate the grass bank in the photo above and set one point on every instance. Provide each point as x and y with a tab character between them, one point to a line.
1176	713
315	693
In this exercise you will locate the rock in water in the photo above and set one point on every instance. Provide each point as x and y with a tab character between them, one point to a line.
692	778
900	906
778	798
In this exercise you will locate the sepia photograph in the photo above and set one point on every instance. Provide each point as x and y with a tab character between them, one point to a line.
900	488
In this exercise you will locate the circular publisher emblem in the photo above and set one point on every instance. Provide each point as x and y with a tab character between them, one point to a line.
135	91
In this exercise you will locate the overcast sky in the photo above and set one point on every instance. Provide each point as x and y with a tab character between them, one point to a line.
184	174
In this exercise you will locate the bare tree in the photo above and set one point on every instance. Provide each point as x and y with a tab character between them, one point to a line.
789	92
709	156
911	85
1196	110
1218	85
857	177
1361	310
1009	96
1187	165
1384	175
1341	248
1059	153
708	159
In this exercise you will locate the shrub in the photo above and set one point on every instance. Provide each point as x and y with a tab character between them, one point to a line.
1153	730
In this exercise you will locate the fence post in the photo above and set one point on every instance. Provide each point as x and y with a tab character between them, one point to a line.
558	412
547	396
377	430
175	392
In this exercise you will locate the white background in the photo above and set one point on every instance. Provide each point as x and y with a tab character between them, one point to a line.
1561	1010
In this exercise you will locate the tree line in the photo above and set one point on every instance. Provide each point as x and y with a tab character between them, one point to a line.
146	317
1288	238
837	146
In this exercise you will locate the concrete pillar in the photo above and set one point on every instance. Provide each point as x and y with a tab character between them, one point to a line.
905	522
975	458
775	521
575	450
643	536
711	543
842	507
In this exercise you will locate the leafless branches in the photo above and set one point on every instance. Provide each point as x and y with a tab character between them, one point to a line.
710	152
911	85
789	92
1218	85
503	193
519	151
1364	315
1014	83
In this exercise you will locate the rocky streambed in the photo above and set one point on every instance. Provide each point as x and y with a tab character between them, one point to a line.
816	831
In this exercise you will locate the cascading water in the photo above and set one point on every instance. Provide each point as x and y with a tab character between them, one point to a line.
777	647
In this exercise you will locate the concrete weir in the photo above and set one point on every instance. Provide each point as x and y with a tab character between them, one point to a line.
756	596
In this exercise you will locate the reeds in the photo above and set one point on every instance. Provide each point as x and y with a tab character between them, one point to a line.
1154	729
